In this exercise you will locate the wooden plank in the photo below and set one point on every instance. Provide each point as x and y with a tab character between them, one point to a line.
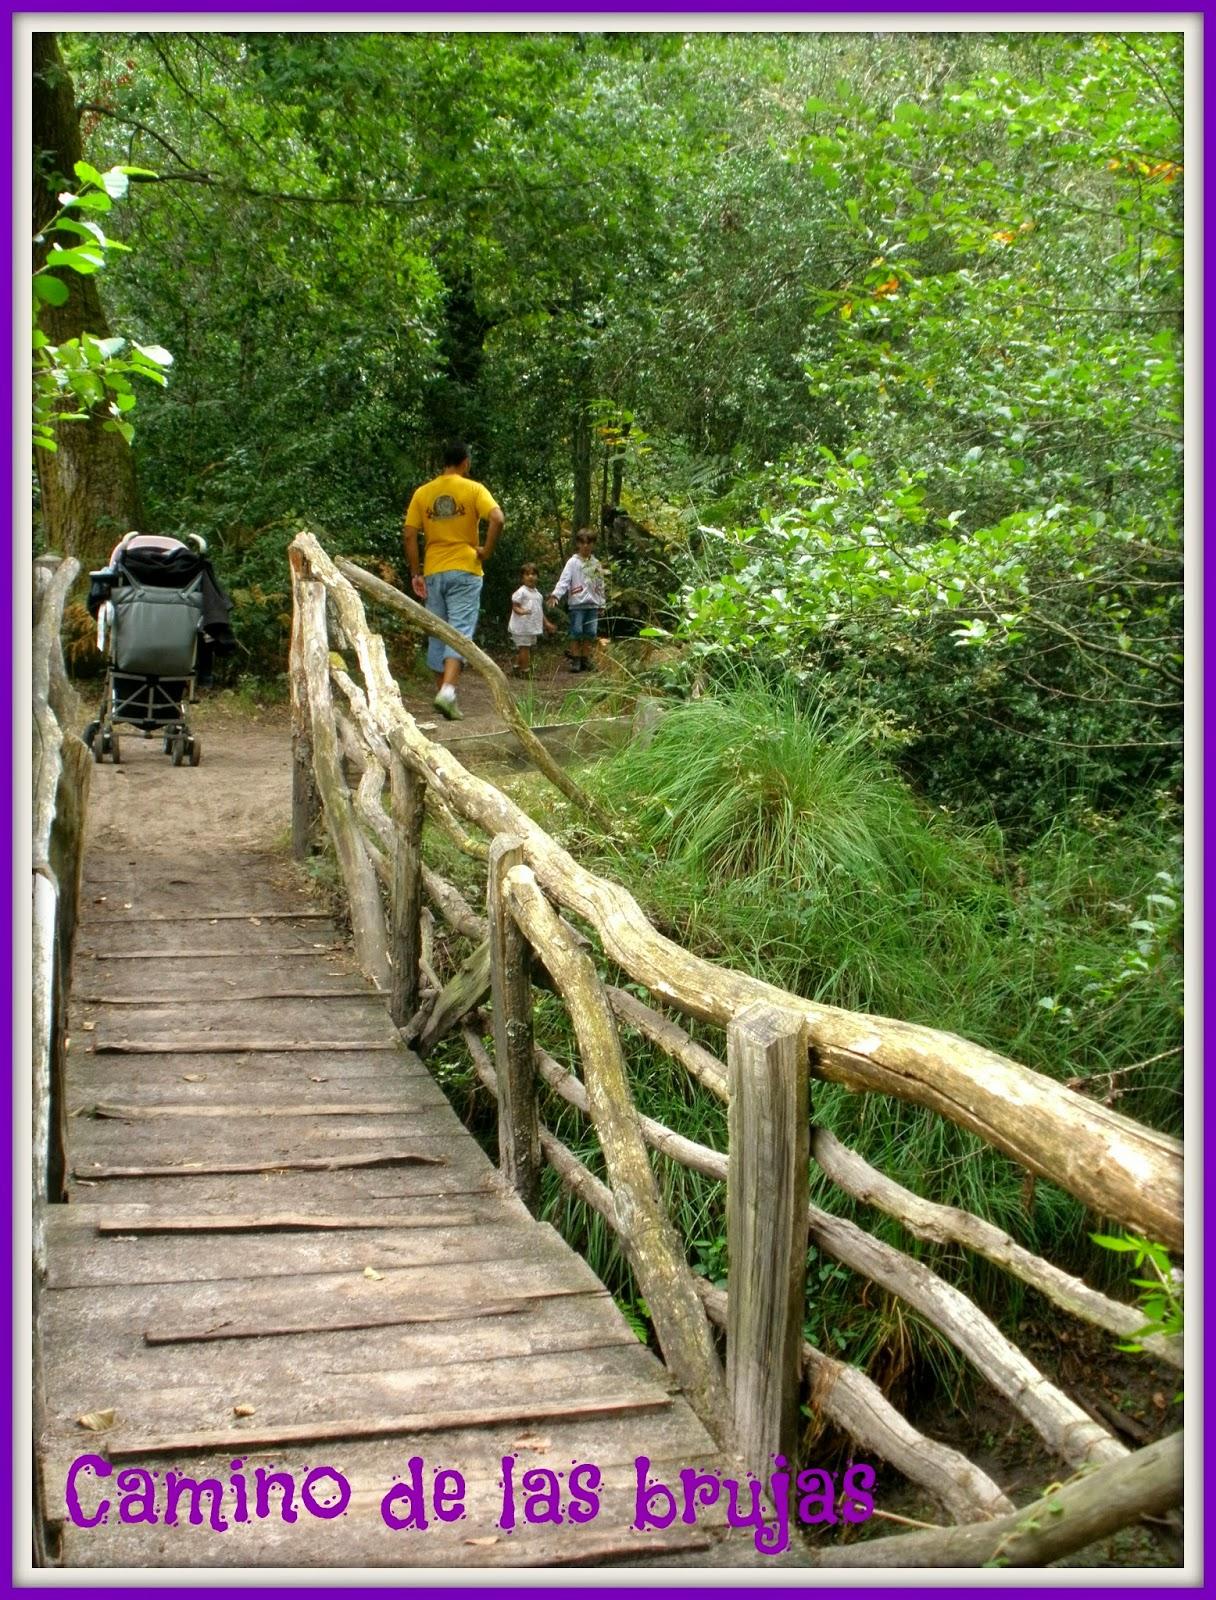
277	1222
142	1258
519	1154
286	1387
123	1448
201	1146
388	1068
467	1173
274	1330
242	953
282	1356
88	1294
151	1001
73	1224
670	1438
259	915
300	1164
227	1109
201	1044
766	1200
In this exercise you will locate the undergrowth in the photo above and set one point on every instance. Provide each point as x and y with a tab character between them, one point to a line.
758	832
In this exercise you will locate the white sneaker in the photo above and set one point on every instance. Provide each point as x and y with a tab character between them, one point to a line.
445	702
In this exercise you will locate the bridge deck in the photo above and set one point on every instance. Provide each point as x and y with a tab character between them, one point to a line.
282	1249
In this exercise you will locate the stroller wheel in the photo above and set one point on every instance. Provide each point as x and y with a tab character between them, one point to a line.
99	748
179	750
90	733
196	752
115	755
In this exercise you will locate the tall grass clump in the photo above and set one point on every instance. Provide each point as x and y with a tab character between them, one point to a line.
771	837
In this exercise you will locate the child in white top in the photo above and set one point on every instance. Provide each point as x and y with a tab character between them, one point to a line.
527	620
582	580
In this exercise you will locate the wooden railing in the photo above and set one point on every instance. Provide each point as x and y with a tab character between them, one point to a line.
60	789
61	768
348	716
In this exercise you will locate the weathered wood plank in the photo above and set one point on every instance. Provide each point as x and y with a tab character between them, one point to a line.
200	1044
151	1258
408	800
384	1158
519	1156
278	1270
131	1447
137	915
766	1199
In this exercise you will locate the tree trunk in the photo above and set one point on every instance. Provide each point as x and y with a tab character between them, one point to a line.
88	490
582	452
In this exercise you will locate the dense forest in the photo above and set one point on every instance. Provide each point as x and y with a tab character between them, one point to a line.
863	350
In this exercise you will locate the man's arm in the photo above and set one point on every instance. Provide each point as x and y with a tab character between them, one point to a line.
494	524
417	581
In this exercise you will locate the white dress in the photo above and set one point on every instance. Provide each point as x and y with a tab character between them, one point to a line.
527	629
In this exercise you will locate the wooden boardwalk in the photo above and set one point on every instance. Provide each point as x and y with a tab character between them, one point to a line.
283	1250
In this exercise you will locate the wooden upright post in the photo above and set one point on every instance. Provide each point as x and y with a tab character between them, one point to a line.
408	793
305	801
519	1154
766	1231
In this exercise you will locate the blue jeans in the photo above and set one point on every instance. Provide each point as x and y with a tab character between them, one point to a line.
584	621
456	598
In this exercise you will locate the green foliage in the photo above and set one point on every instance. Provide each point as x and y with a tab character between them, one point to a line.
1161	1296
75	376
770	836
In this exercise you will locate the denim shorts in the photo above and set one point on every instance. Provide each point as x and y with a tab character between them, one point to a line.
456	598
584	621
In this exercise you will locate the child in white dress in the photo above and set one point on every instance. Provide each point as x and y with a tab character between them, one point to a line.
527	620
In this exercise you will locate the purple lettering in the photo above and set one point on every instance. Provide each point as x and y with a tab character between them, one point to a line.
100	1468
647	1494
735	1516
818	1491
544	1496
177	1486
138	1489
858	1503
584	1501
263	1481
449	1503
239	1490
323	1508
412	1497
699	1487
507	1520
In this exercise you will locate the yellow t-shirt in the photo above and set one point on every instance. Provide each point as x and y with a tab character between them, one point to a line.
448	510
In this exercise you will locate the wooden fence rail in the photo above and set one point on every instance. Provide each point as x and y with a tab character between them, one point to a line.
776	1044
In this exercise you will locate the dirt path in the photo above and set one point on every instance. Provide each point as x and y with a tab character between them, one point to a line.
240	796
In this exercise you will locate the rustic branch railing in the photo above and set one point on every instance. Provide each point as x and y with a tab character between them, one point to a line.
1112	1164
61	769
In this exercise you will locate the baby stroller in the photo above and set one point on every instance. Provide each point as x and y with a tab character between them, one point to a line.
155	603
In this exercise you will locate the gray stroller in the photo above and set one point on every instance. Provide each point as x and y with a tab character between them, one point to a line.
149	605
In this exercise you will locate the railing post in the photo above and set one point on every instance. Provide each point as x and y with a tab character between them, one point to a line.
766	1228
511	993
408	794
305	800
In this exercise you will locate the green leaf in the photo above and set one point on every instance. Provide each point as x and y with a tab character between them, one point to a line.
92	201
51	290
154	352
88	174
77	258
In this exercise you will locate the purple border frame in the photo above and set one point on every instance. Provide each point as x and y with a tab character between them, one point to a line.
1200	770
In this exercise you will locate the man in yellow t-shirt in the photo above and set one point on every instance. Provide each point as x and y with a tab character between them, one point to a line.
448	513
